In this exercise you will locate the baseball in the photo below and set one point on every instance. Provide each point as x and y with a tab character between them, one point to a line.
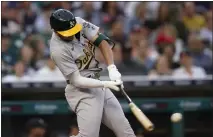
176	117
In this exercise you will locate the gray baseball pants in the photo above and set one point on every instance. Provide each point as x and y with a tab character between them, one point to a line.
96	105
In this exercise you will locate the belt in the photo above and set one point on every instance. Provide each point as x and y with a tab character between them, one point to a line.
95	76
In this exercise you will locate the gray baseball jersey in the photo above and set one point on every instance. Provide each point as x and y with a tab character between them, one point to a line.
77	54
95	105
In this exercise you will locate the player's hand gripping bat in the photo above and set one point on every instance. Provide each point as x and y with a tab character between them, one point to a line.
142	118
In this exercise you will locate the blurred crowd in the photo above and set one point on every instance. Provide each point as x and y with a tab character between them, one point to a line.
151	38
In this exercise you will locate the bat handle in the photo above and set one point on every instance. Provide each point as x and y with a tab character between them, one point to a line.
120	86
125	94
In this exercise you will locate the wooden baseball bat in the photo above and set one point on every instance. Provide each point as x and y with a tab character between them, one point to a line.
142	118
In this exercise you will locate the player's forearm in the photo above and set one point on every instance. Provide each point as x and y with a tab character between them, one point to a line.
100	40
108	55
79	81
83	82
107	52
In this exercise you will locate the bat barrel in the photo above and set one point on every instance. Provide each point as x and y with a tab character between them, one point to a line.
142	118
150	127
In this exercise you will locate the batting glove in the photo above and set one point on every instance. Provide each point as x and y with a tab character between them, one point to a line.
114	74
112	84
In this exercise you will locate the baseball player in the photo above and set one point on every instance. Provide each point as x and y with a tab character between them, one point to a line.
72	48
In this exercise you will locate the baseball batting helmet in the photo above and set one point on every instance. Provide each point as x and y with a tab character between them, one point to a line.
64	22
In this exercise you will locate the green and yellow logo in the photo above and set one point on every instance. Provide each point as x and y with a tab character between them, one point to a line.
84	61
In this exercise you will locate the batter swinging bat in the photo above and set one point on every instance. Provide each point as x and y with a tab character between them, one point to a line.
142	118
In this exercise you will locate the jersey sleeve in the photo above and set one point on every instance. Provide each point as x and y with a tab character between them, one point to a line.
64	62
89	29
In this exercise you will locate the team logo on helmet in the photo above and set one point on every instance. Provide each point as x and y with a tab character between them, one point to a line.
72	24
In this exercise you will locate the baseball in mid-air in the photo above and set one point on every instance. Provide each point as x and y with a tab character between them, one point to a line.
176	117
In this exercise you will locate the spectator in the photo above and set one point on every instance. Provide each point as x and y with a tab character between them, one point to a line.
36	127
169	31
117	55
87	12
137	33
178	43
130	8
150	31
131	51
49	71
4	18
182	31
139	18
117	32
9	52
40	51
39	48
43	18
152	9
28	38
27	55
163	14
206	32
110	12
134	40
188	70
161	68
19	76
11	19
118	59
168	45
29	17
144	55
192	21
168	14
201	55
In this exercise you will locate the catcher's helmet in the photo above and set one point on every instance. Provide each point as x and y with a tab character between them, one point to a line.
64	22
